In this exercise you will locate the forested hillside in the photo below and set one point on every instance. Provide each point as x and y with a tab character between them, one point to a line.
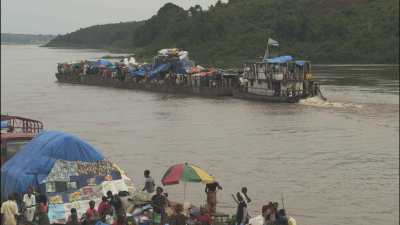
108	36
325	31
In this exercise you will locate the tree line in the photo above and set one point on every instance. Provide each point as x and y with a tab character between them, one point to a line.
324	31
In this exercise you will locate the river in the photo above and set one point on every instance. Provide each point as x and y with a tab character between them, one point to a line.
334	162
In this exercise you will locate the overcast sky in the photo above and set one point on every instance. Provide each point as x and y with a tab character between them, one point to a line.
64	16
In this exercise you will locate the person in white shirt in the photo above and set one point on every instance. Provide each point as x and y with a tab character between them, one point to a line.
149	182
260	219
29	201
9	211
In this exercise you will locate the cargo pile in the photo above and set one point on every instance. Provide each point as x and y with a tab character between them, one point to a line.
170	66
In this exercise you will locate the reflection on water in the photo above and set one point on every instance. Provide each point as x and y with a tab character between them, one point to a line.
334	162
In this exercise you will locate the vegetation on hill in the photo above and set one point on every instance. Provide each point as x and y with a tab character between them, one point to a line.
9	38
109	36
324	31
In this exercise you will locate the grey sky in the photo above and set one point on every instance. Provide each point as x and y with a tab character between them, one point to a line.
64	16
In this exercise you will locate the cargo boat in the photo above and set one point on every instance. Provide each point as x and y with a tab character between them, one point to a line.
277	79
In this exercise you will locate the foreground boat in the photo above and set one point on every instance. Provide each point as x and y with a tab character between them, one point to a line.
69	171
15	133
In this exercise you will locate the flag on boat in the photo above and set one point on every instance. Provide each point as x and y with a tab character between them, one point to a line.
272	42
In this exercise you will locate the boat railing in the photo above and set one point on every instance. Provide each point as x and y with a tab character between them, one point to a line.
18	124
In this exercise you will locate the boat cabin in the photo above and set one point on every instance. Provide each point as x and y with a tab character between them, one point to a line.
15	133
279	76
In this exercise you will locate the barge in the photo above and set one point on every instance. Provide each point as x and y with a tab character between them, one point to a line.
277	79
99	80
171	72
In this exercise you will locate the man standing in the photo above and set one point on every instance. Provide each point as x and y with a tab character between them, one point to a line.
211	191
158	201
241	213
9	211
29	201
244	195
149	182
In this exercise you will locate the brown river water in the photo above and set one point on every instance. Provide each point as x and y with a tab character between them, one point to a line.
334	162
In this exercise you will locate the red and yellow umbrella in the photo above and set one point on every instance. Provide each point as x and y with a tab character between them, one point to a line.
186	173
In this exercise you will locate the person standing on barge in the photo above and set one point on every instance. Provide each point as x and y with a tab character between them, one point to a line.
241	213
149	182
9	211
211	190
29	201
43	210
158	201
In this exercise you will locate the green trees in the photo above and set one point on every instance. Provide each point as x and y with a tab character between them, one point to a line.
325	31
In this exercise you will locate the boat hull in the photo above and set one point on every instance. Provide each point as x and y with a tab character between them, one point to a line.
98	80
264	98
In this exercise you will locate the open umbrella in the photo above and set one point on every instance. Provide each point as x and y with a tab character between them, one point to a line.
186	173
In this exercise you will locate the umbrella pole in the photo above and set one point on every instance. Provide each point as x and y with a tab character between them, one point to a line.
184	192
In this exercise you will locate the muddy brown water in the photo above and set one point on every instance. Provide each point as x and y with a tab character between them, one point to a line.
335	162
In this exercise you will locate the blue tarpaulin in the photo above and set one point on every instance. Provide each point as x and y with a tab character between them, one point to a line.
280	59
183	66
137	72
159	68
33	162
300	62
104	63
101	223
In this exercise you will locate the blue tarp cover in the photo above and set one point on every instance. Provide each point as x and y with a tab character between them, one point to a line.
159	68
280	59
137	72
300	62
34	161
104	62
101	223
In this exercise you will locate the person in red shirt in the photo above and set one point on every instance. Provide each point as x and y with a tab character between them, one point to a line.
204	218
43	210
103	206
73	218
91	213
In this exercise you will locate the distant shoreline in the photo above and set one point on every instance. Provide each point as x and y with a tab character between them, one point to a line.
25	39
40	44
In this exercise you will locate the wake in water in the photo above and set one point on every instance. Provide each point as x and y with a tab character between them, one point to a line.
319	102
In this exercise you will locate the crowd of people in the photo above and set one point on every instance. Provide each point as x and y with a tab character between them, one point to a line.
33	210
